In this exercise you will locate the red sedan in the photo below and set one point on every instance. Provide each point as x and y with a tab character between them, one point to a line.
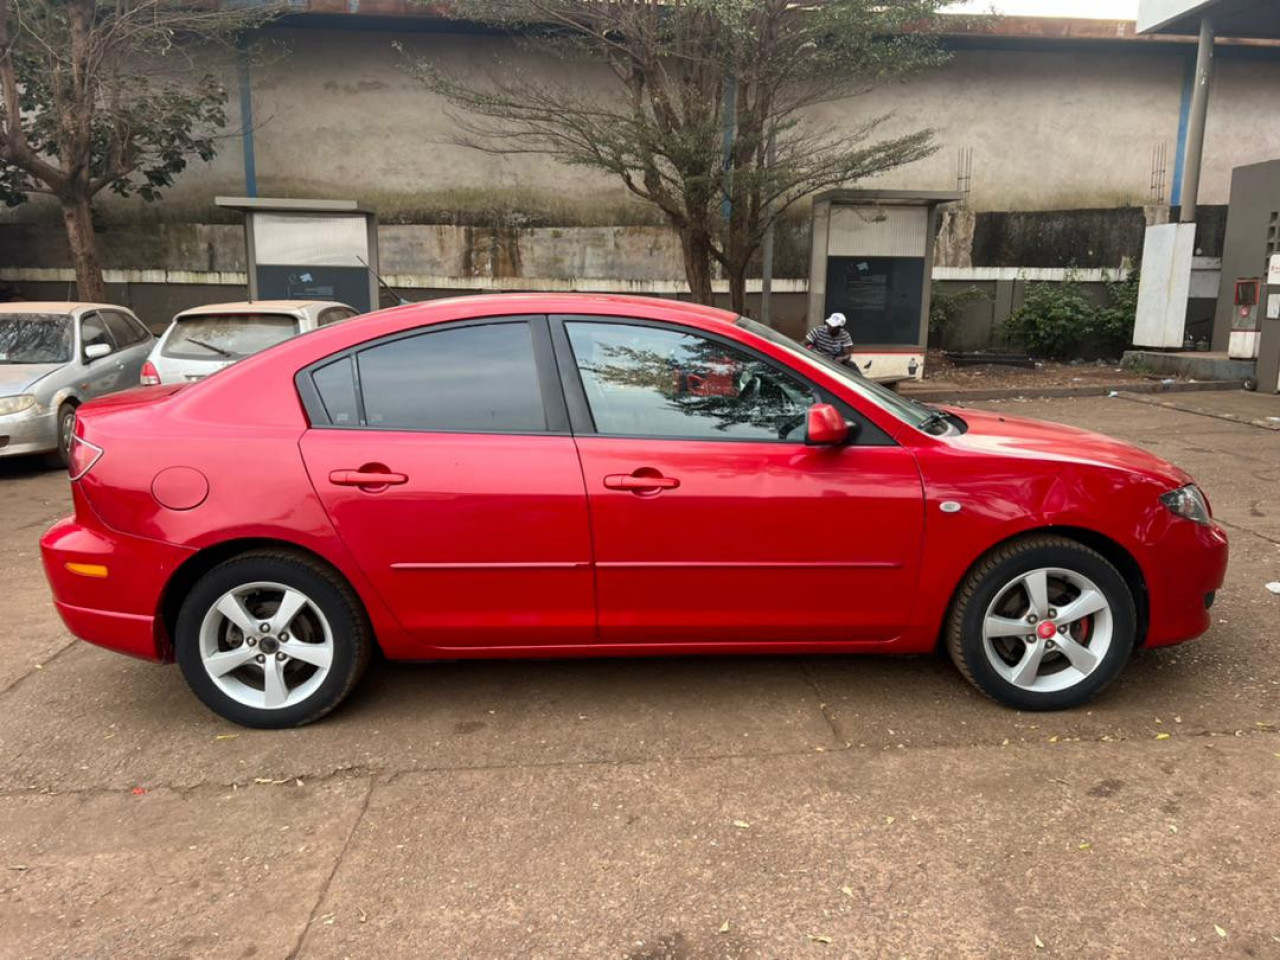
538	476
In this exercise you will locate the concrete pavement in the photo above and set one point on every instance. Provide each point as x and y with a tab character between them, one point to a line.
677	808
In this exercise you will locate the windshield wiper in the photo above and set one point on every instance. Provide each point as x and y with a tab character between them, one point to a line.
933	419
210	346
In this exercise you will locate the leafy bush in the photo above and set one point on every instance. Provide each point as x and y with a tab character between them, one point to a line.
1057	319
945	309
1114	330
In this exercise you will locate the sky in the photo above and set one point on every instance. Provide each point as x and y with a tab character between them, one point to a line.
1099	9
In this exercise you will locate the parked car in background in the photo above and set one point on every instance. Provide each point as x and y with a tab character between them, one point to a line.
203	340
54	356
549	476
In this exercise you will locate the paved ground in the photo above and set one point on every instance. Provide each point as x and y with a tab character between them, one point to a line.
758	807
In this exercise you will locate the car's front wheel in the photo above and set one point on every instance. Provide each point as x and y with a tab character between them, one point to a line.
272	639
60	456
1042	623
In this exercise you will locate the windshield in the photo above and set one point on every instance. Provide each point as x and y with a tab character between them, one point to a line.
35	338
904	408
227	336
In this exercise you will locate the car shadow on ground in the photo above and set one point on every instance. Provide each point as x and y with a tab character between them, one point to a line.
28	465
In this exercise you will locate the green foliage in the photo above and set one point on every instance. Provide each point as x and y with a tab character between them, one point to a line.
138	146
1058	320
1114	329
106	95
945	309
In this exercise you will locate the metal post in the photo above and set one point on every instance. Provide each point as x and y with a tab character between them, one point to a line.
1195	128
766	272
246	120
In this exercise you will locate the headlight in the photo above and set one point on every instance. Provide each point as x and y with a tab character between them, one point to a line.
16	404
1187	502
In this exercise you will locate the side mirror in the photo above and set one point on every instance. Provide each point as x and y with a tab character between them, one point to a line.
96	351
825	426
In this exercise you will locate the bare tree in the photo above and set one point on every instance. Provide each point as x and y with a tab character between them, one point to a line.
100	95
703	89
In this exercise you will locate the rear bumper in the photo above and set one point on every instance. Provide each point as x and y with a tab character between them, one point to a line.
118	611
1191	565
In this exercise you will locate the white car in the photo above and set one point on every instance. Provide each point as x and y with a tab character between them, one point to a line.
203	340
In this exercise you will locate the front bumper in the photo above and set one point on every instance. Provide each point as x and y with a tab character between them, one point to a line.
31	431
1190	566
120	610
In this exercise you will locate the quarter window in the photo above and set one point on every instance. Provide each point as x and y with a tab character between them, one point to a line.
481	379
650	382
333	315
335	382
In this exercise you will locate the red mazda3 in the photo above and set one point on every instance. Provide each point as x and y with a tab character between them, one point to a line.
538	476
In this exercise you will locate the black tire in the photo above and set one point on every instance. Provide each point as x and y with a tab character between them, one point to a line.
352	637
993	575
60	457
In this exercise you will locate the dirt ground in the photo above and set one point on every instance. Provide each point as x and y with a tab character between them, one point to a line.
941	373
809	807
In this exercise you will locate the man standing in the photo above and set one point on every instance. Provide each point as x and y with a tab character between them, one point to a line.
831	339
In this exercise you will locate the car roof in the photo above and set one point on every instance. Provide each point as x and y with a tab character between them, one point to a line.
599	303
63	307
262	306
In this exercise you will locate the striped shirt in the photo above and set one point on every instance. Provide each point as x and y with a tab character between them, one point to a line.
833	343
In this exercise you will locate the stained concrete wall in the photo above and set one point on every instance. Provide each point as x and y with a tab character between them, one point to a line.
1050	129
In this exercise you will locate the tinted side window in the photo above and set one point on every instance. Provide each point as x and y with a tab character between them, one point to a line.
335	382
124	332
93	330
650	382
482	379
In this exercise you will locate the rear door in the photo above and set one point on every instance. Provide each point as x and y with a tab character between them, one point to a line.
712	519
133	343
444	459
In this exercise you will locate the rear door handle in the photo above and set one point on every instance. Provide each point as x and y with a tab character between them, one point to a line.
366	478
628	481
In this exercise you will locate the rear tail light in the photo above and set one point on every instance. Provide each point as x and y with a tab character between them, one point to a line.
150	375
81	456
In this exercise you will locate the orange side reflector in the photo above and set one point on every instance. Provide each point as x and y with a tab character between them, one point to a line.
88	569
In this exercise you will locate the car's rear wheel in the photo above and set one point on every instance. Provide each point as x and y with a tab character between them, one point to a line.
1042	623
61	455
272	639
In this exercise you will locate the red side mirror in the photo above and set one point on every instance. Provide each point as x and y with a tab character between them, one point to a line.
826	427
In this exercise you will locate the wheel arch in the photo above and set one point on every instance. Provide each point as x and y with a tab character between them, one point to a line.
1113	551
200	563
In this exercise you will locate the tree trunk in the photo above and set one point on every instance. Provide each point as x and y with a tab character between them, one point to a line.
696	247
77	214
738	289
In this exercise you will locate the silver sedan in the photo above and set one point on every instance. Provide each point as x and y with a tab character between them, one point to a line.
55	356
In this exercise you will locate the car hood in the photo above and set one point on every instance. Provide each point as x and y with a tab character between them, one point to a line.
19	377
1019	436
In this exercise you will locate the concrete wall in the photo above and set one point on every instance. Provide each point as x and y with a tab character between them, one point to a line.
1050	128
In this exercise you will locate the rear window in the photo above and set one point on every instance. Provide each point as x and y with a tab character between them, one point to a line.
230	336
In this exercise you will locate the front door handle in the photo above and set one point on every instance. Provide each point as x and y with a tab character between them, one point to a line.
366	478
640	482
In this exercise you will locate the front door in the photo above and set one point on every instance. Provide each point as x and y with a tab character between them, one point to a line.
712	519
102	375
444	461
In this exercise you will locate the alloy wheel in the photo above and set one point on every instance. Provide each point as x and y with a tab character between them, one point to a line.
266	645
1047	629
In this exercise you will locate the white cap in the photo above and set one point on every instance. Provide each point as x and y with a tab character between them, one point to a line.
836	320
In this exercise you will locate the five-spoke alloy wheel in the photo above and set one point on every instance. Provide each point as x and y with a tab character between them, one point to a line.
1042	623
272	639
